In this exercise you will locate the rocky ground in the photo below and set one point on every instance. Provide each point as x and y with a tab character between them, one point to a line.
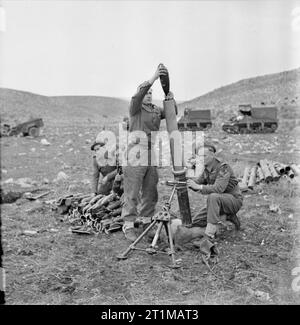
51	265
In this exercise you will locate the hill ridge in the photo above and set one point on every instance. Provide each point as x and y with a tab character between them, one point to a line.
275	88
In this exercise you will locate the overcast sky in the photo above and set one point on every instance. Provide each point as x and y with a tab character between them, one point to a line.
107	48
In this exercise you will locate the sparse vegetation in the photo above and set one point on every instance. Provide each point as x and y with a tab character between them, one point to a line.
55	266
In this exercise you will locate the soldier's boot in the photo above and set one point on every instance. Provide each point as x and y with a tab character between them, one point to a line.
235	220
184	235
129	232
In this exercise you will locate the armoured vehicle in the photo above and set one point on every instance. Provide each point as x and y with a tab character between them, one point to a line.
194	120
31	128
260	119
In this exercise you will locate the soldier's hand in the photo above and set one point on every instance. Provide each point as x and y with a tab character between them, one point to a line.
169	96
104	180
161	70
193	185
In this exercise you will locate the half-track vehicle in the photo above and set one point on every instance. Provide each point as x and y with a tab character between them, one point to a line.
260	119
195	120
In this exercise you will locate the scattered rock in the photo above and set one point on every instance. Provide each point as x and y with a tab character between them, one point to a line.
69	142
72	187
4	171
8	181
29	232
25	252
86	181
275	208
44	142
32	149
61	176
25	182
87	141
263	296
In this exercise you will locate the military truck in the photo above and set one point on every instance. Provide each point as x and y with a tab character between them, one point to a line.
260	119
195	120
31	128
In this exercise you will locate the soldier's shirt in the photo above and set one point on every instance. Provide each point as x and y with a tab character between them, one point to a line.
104	170
219	178
145	117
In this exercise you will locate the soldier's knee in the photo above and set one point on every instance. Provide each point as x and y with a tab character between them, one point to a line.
213	197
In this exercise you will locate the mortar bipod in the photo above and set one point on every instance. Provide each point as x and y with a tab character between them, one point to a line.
161	218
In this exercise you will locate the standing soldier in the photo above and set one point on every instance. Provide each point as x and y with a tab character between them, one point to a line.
143	116
223	193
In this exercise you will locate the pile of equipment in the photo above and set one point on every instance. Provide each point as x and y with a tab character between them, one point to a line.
90	214
267	171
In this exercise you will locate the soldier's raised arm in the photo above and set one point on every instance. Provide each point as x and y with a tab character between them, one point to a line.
137	99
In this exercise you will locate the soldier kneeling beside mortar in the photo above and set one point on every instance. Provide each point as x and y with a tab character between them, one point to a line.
219	183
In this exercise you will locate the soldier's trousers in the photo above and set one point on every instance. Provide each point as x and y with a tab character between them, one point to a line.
139	180
217	205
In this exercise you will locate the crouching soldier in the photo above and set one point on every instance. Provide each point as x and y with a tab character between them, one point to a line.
107	173
220	185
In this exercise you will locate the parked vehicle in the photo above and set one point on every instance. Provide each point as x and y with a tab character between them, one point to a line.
194	120
260	119
31	128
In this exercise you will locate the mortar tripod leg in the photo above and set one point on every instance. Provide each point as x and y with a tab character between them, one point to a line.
124	255
157	233
174	264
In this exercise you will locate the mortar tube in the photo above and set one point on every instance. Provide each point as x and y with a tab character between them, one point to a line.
291	174
260	174
252	177
178	169
273	171
265	168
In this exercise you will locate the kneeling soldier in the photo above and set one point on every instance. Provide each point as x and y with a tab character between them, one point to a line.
108	173
223	193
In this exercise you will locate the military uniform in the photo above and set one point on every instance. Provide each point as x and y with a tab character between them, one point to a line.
109	171
224	195
147	118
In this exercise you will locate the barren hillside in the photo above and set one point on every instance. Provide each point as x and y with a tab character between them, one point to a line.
17	106
282	89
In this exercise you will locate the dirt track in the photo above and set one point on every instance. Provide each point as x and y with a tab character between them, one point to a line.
58	267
